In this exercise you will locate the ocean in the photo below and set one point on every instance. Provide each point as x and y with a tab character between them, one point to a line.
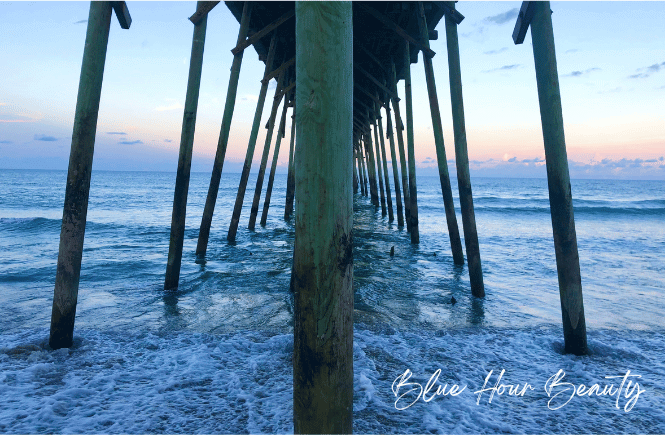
215	355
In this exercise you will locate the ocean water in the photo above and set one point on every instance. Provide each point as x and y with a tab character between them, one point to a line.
215	356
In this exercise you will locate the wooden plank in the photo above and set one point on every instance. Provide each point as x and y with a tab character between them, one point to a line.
263	32
122	13
281	68
449	10
287	89
375	81
397	29
523	20
201	11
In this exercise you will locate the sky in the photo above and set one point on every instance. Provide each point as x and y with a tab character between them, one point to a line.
610	56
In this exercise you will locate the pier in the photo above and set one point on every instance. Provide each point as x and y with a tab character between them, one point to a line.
336	66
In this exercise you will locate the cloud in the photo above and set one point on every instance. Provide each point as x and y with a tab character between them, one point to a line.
116	132
645	72
168	140
536	160
503	17
6	141
174	106
500	50
127	142
81	22
249	97
579	73
503	68
45	138
571	50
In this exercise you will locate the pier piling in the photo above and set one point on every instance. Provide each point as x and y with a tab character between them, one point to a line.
558	180
237	208
273	167
266	151
379	173
213	189
444	176
399	129
413	193
393	157
462	160
290	177
323	256
77	191
185	156
389	201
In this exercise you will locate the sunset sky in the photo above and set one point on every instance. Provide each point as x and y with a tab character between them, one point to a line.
611	62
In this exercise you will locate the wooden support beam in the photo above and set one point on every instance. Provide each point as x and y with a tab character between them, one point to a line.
379	169
237	208
444	176
213	189
273	167
263	32
254	210
323	254
287	89
185	157
399	127
462	159
277	71
373	187
449	10
413	192
389	201
375	81
523	20
397	29
77	191
201	12
290	178
558	181
393	156
122	13
361	158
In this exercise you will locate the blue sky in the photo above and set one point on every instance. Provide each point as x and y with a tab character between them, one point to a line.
611	61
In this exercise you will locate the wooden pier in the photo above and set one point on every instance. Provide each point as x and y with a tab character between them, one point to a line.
336	65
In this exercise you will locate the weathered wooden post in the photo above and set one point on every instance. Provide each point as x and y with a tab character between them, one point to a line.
379	175
361	158
266	151
273	167
75	210
185	156
399	127
213	189
291	176
237	208
374	190
413	193
444	177
389	201
558	177
393	156
323	256
462	159
355	173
